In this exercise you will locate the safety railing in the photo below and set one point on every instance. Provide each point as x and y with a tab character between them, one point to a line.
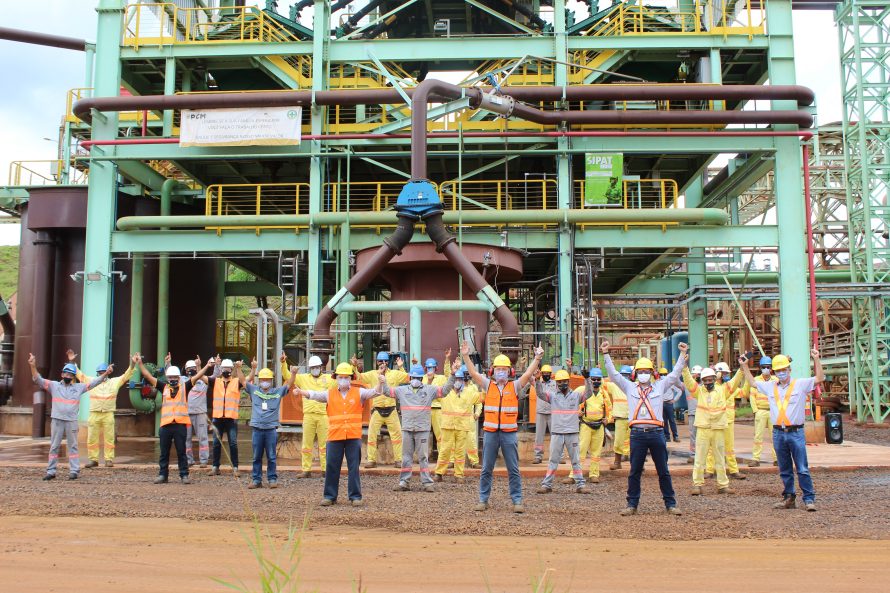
135	118
45	172
500	194
634	194
361	196
738	17
235	335
262	198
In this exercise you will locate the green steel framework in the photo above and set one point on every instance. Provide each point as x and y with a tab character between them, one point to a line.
864	29
107	163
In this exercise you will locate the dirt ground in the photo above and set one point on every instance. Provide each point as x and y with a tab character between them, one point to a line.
112	530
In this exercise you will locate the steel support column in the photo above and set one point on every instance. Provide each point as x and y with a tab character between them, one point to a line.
564	193
698	309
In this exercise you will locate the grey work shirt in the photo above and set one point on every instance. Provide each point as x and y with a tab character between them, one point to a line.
639	414
197	396
565	408
416	404
542	387
265	405
66	398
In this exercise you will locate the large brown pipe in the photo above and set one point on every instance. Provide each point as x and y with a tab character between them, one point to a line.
602	92
42	322
43	39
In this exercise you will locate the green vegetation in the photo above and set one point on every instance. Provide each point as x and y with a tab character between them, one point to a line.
9	270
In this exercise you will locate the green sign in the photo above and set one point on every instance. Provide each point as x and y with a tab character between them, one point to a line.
602	179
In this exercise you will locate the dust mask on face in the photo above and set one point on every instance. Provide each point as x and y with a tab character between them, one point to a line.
266	385
563	387
458	385
315	371
765	372
344	383
644	377
783	375
501	375
416	383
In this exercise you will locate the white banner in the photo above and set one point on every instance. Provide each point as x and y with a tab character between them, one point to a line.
267	126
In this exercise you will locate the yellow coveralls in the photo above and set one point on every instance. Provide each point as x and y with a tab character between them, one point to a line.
394	378
457	420
315	416
597	408
621	442
472	445
436	412
103	403
732	392
762	424
710	429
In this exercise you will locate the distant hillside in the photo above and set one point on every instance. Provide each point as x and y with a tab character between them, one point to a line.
9	270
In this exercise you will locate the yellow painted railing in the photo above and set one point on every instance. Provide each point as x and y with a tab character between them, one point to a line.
257	198
636	194
125	117
707	18
43	172
499	194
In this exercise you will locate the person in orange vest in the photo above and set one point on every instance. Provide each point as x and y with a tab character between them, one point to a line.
787	409
345	404
501	420
226	391
174	417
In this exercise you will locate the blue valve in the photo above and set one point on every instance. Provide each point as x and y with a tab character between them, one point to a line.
418	198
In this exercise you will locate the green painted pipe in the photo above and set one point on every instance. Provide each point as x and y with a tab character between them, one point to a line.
709	216
382	306
164	276
415	346
137	282
773	277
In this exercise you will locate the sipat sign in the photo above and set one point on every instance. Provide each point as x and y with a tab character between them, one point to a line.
603	179
267	126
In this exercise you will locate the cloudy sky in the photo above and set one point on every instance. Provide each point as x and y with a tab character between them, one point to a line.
33	100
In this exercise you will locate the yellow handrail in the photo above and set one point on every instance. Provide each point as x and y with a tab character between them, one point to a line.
44	172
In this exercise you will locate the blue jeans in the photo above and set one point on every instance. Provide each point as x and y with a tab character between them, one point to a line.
670	423
641	443
793	446
336	450
264	440
508	443
227	427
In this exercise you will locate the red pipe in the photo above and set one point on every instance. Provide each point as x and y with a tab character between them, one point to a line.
144	123
808	208
802	134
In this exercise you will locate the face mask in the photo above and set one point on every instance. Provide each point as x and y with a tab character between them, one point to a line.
726	377
596	384
227	374
458	385
783	375
67	380
266	385
766	371
644	377
344	383
173	385
315	371
191	372
563	387
697	379
709	386
501	375
546	377
416	383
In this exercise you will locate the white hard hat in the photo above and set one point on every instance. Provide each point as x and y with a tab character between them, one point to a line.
708	372
173	372
227	364
721	367
314	361
190	364
696	370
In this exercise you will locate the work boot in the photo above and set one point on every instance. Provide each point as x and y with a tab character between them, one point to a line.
214	471
811	507
690	460
567	480
593	479
776	463
401	487
191	463
676	439
370	465
628	512
397	465
787	503
109	463
91	463
537	461
254	485
625	458
437	477
517	508
753	463
305	475
616	464
481	506
544	490
273	484
49	477
582	490
429	488
72	476
326	502
475	466
725	490
160	480
185	480
357	502
673	511
696	491
738	476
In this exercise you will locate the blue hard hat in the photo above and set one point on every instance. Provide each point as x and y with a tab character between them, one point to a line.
626	369
101	368
766	361
416	371
70	368
596	372
431	362
383	356
461	372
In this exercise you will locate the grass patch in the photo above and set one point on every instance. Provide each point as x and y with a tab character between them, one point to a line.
9	270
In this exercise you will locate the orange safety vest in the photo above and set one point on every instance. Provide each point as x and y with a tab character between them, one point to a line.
644	400
501	408
344	414
226	398
782	406
175	409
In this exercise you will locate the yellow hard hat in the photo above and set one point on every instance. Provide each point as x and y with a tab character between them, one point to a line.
501	360
644	363
662	371
561	375
266	374
344	368
546	369
780	361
